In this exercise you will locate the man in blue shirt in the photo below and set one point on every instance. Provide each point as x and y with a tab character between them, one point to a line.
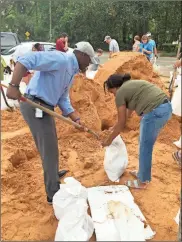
49	87
152	42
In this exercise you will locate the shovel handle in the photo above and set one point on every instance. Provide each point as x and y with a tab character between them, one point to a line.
171	85
54	114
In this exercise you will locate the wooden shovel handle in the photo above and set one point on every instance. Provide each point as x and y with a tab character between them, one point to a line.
54	114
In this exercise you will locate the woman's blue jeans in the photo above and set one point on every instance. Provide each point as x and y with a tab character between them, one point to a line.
150	126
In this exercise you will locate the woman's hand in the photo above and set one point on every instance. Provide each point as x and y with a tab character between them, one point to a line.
106	142
118	127
146	51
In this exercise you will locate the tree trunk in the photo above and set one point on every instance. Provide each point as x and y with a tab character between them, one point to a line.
124	32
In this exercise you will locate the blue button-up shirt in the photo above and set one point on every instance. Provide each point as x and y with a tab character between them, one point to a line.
53	77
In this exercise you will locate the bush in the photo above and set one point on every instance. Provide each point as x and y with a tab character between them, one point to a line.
167	47
167	54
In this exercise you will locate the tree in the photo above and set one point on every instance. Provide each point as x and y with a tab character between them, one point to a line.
92	20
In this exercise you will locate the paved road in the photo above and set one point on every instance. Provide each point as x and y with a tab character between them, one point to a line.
165	63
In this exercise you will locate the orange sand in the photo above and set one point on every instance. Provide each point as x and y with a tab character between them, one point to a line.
25	214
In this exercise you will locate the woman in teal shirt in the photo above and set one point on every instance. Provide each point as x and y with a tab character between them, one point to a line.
146	47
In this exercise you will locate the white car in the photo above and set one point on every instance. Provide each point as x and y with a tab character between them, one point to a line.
23	48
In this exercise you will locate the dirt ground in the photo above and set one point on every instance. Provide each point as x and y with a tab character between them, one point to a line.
25	214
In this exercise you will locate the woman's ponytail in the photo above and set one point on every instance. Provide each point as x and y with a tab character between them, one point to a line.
116	81
126	77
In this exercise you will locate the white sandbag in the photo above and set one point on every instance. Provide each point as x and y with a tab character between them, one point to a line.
177	218
176	100
12	103
90	74
112	205
71	194
175	81
70	207
75	225
126	221
178	143
116	159
156	68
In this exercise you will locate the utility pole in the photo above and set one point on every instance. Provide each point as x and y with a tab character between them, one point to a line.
179	45
50	21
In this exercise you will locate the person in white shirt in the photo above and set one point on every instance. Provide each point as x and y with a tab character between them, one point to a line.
176	106
113	45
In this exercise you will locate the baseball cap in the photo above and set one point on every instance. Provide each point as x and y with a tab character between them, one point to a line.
107	37
86	48
148	34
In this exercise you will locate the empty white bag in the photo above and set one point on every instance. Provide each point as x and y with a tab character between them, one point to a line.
71	194
116	159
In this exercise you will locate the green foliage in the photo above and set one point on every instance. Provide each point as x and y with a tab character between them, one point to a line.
167	54
91	20
167	47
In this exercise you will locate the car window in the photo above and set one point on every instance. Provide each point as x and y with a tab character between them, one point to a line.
48	47
8	40
8	51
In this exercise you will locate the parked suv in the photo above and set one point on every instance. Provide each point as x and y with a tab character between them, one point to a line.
9	40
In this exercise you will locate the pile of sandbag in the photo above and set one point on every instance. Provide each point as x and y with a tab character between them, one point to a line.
70	208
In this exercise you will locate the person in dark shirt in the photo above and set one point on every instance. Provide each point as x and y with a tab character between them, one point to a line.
154	108
37	47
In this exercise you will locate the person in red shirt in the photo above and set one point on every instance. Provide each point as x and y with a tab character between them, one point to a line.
62	43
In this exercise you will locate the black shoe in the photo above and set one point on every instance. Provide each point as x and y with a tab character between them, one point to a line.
62	173
49	201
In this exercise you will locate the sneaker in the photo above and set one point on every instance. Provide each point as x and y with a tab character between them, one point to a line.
62	173
49	201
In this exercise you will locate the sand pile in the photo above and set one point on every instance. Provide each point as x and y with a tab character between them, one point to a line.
25	214
96	108
128	62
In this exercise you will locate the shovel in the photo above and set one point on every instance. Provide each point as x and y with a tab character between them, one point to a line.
5	100
171	85
54	114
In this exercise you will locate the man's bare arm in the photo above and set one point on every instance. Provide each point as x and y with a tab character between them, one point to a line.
13	90
110	54
155	51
